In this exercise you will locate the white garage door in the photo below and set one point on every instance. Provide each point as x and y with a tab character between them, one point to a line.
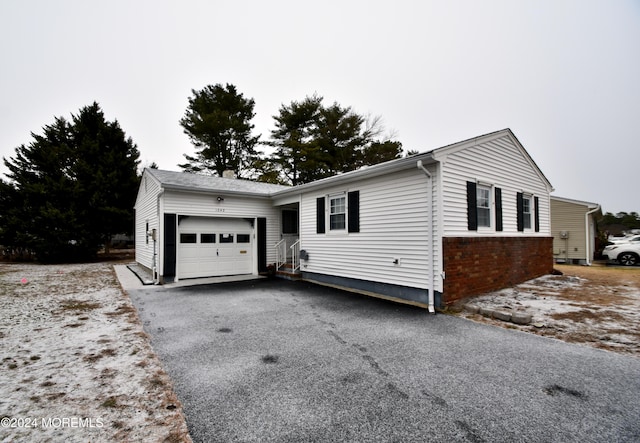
211	247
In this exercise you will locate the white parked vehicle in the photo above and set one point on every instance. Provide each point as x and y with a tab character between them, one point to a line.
626	239
627	254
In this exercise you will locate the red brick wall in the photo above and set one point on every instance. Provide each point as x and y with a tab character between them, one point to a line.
474	265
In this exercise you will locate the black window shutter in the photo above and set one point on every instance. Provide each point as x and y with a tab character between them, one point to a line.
320	215
520	208
262	244
169	267
353	200
472	207
498	199
536	204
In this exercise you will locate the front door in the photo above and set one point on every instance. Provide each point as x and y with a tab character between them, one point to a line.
289	228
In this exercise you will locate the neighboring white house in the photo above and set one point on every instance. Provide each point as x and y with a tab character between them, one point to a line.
426	229
574	230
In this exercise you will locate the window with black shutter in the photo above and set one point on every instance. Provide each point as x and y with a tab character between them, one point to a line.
528	217
343	212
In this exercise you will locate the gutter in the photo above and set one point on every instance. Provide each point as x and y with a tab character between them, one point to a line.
431	282
352	176
586	230
216	191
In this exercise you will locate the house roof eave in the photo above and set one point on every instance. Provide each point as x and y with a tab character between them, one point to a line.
589	205
182	188
366	172
177	181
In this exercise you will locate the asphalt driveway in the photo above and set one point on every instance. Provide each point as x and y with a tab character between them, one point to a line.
272	360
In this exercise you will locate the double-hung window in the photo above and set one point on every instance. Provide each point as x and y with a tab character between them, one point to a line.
526	212
483	199
337	212
342	214
484	207
528	207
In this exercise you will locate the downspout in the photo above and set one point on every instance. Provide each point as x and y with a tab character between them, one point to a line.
586	230
431	284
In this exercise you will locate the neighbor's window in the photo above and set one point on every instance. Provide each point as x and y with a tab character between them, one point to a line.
526	212
338	212
484	205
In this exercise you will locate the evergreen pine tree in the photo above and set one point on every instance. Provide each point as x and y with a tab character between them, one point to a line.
71	188
218	122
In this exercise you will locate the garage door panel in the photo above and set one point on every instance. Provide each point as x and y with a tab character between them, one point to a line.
214	247
208	252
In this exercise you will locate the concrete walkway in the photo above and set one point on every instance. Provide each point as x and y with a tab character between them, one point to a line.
129	280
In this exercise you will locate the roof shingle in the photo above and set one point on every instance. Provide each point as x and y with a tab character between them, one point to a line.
208	183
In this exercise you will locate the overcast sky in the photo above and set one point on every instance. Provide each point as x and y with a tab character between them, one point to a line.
563	75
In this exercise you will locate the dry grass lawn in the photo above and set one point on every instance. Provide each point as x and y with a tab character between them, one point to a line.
76	364
597	306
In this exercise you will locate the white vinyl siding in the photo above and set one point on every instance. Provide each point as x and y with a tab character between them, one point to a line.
393	225
501	163
569	217
146	209
207	205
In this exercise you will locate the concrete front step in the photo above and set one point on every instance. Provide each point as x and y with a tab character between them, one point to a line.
288	273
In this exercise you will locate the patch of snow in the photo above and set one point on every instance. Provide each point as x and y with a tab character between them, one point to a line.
569	307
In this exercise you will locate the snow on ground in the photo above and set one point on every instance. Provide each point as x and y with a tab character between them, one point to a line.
76	363
597	306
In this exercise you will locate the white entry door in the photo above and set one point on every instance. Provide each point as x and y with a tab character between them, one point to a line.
212	247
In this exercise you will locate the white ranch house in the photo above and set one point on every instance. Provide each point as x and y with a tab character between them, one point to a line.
426	229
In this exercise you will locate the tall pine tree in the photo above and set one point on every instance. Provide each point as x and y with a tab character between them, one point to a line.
70	189
297	152
340	135
218	122
313	141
